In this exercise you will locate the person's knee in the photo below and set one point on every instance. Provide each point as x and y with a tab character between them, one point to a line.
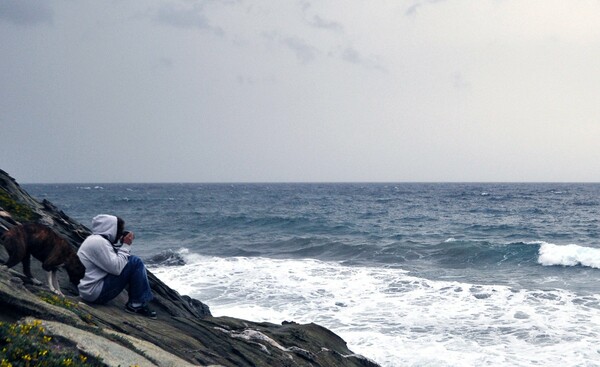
136	261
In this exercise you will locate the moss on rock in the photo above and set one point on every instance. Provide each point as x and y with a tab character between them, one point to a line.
19	211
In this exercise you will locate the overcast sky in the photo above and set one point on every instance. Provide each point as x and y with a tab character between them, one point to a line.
300	90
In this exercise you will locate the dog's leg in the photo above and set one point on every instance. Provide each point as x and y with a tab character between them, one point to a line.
53	283
50	264
56	285
50	281
27	269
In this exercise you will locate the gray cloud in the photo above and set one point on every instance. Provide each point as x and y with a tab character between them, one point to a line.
413	9
165	62
186	17
351	55
304	52
318	22
245	80
395	92
347	54
460	82
25	12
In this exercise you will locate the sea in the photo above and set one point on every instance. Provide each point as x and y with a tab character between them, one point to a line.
408	274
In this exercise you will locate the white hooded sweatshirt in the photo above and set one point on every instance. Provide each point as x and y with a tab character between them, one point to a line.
99	257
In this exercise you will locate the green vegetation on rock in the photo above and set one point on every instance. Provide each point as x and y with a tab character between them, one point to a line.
26	344
19	212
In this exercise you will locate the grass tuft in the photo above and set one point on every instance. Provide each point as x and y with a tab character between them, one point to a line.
26	344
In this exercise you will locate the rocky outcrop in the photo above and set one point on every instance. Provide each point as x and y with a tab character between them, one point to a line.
185	332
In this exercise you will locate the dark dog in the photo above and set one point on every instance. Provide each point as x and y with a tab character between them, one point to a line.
37	240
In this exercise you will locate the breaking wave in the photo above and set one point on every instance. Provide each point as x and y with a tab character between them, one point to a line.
394	317
568	255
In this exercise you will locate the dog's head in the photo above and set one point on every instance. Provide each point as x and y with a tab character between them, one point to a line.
74	268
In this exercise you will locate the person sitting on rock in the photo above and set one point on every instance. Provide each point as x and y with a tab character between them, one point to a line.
109	268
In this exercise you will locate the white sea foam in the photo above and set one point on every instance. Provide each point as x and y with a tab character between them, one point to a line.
397	319
568	255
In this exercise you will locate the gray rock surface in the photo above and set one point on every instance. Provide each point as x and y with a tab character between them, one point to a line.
185	332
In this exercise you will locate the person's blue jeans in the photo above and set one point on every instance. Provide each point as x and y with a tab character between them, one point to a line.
133	275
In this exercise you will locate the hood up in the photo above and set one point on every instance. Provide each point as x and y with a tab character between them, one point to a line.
105	225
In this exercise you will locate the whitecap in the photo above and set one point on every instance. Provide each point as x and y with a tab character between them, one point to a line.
568	255
395	318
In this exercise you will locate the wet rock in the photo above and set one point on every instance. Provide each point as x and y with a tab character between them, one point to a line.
185	332
166	258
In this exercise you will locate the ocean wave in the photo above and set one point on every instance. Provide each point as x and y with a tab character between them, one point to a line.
247	220
89	188
586	203
309	248
395	317
568	255
457	253
462	253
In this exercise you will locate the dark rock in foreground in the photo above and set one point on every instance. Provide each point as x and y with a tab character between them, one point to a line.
185	332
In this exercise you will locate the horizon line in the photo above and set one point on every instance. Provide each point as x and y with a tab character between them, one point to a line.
301	182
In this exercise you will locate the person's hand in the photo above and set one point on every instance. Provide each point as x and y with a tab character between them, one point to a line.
128	239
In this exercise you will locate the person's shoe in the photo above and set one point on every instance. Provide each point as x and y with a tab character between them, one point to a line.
143	310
